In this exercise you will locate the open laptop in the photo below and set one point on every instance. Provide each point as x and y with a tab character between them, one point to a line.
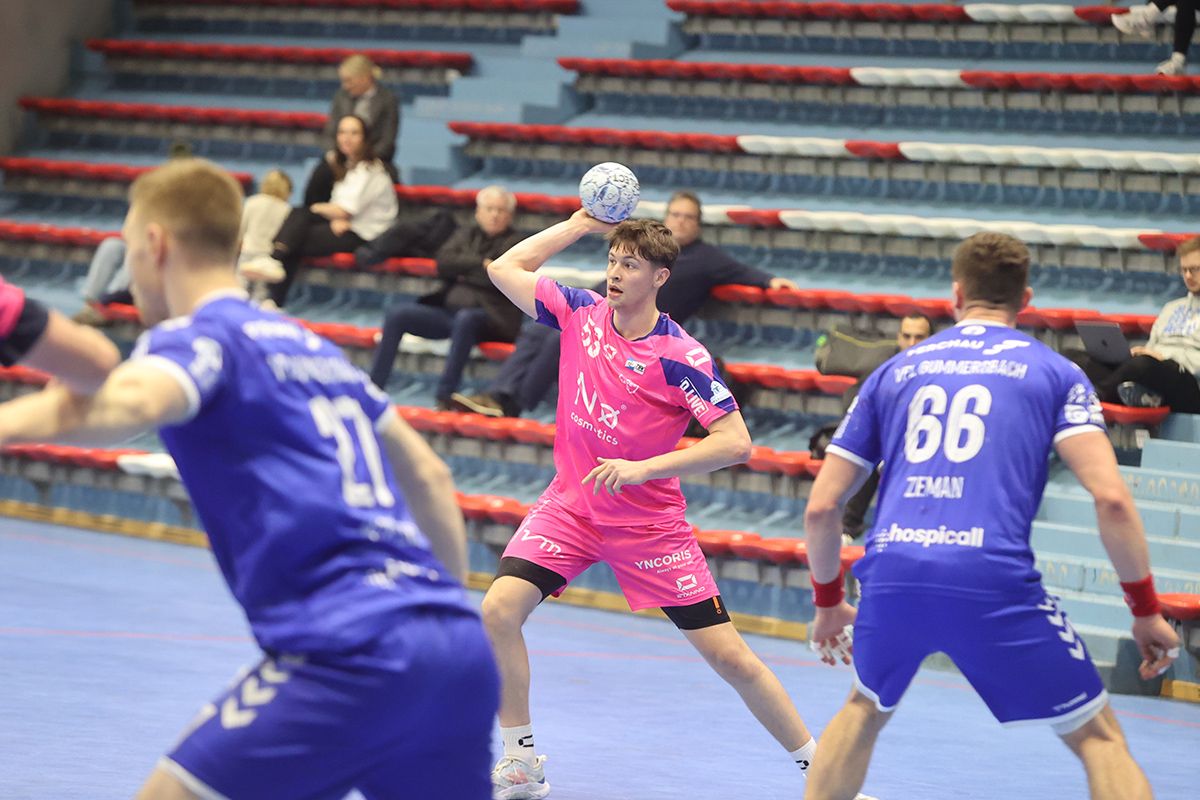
1104	341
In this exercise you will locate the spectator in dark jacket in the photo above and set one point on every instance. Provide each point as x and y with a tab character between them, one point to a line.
528	375
468	308
362	96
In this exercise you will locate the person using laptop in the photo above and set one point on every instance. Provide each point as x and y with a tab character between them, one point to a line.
1164	371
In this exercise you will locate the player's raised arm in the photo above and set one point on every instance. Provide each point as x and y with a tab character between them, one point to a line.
1090	456
512	273
428	490
136	397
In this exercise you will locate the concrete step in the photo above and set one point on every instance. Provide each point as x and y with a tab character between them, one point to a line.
1181	428
1166	520
1084	574
1056	537
1166	454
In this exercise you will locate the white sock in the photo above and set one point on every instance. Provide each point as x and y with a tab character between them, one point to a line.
518	742
804	756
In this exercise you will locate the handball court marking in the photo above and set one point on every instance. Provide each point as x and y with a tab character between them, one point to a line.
109	645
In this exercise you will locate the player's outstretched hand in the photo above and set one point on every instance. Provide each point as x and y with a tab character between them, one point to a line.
1158	644
612	474
594	225
832	635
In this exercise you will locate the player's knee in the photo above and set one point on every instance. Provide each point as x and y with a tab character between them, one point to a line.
501	616
1101	734
738	665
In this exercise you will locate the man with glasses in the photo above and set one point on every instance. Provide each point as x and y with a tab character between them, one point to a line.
532	370
1164	371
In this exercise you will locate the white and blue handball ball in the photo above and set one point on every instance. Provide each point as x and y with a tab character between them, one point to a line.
609	191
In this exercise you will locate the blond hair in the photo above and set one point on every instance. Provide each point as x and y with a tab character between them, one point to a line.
197	202
277	184
646	238
358	64
992	268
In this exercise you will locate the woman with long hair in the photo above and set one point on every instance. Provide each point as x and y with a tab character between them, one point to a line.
362	206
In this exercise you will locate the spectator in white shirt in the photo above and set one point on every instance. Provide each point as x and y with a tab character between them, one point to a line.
363	205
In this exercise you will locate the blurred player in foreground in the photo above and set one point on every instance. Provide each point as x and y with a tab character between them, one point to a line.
965	423
41	338
631	380
324	511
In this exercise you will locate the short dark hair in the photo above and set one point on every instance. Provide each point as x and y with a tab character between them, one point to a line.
690	196
918	315
648	239
992	268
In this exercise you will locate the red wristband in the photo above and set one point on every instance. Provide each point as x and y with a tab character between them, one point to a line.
1141	597
828	595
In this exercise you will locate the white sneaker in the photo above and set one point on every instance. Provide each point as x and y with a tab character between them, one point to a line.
266	269
861	796
1139	22
1175	65
514	778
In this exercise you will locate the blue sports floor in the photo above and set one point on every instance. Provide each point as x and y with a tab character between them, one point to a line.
108	646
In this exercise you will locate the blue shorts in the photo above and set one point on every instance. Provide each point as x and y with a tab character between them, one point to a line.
1023	657
410	717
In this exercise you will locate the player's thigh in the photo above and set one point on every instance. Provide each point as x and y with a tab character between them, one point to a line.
659	564
296	730
445	750
556	540
1026	661
891	639
163	785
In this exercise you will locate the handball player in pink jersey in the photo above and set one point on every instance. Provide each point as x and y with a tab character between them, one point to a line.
630	380
41	338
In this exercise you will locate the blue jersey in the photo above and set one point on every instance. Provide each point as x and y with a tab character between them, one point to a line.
964	423
288	475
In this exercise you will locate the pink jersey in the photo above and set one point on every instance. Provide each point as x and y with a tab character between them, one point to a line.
623	399
12	303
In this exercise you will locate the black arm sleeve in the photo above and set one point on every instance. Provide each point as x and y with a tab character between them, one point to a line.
724	268
29	328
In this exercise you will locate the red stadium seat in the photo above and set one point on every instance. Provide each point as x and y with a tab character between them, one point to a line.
758	218
496	351
737	293
531	432
851	554
1129	415
774	551
1181	606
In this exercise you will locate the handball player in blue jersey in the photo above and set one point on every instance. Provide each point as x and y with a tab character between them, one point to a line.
332	521
964	424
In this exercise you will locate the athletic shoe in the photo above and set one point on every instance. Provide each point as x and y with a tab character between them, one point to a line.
1137	396
861	796
514	778
477	404
1175	65
1139	22
266	269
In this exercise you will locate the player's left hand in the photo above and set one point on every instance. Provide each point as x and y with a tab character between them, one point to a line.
832	633
1158	644
614	473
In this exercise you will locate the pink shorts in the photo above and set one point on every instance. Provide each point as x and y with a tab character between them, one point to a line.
657	564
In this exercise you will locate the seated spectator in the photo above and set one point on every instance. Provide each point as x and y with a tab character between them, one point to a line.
914	328
262	217
1141	22
363	205
413	235
107	277
528	375
467	309
1165	371
364	97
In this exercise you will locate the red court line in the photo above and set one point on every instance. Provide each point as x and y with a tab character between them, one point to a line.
109	550
147	635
